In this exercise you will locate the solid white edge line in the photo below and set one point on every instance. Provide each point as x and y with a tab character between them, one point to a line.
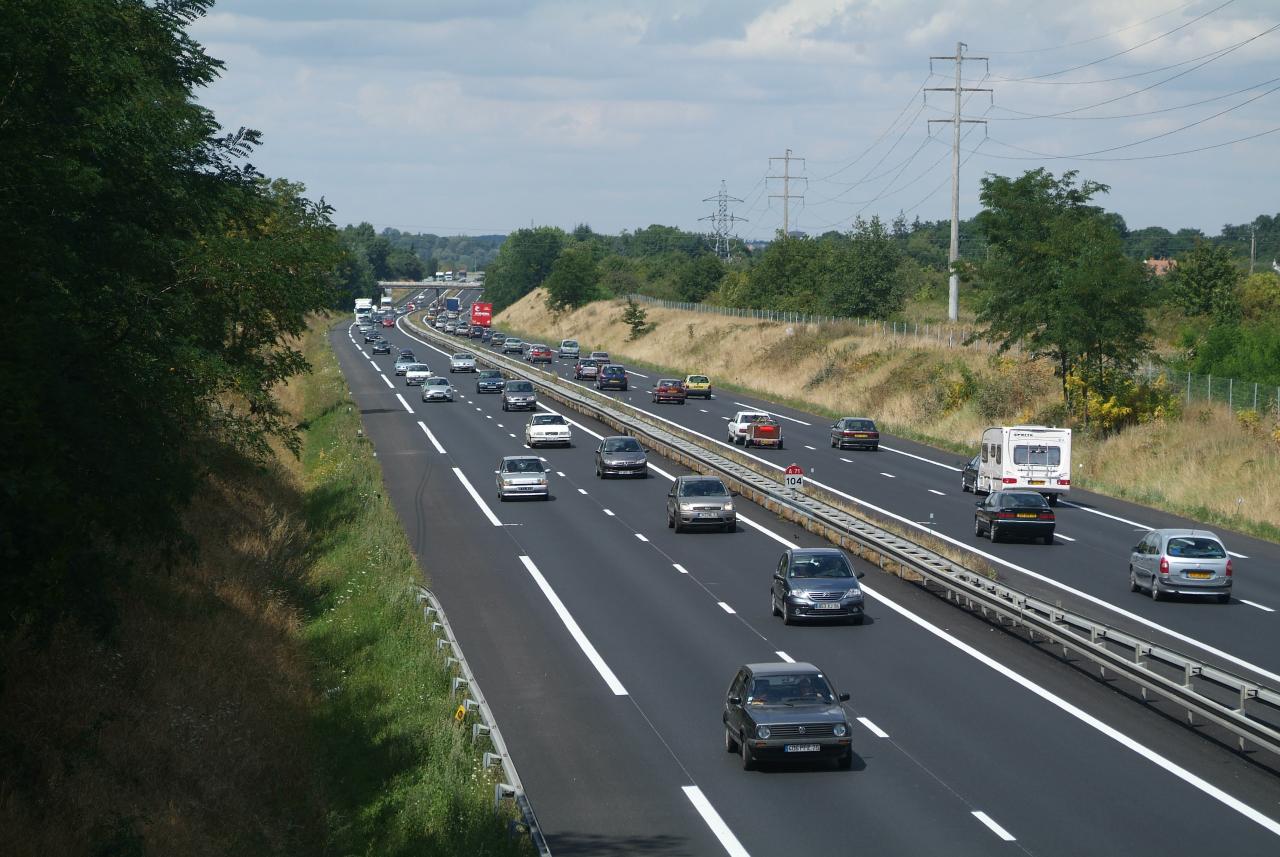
995	828
743	519
785	657
574	631
726	608
403	402
1085	717
385	381
721	830
641	537
1256	604
664	474
1237	555
680	568
572	422
484	507
431	437
874	729
920	458
1064	538
637	374
772	414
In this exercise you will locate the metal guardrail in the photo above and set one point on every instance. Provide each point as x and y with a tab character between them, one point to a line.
473	700
1247	709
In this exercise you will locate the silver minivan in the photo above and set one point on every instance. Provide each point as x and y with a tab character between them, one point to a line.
569	349
1181	562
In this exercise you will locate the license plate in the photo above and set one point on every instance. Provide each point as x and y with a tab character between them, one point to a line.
801	748
708	515
1026	514
1200	575
859	435
1036	482
827	606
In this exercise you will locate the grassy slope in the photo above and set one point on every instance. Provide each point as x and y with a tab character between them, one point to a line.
1198	465
276	691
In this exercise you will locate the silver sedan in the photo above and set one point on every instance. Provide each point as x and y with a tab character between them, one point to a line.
462	362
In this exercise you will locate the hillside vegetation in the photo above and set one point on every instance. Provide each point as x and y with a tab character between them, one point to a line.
944	396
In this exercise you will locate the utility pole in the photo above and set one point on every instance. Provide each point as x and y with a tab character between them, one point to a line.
1253	246
721	220
786	194
953	291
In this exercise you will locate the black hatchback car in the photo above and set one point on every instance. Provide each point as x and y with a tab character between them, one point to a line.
382	347
1008	514
785	712
611	377
815	583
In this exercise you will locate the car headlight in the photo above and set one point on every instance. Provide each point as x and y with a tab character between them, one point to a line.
728	507
853	593
762	732
841	730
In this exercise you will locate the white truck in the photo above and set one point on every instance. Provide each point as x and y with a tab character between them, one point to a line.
1028	458
741	421
364	307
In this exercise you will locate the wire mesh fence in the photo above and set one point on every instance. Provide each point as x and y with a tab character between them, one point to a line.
1235	394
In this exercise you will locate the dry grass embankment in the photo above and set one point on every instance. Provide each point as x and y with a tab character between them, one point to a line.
1199	465
275	691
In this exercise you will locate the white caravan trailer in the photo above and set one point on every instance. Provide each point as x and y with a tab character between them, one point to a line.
1029	458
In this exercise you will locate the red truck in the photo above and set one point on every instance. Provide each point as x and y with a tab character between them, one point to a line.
482	314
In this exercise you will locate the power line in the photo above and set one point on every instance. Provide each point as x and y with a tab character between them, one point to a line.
1023	116
885	132
1154	157
1152	40
787	179
1094	38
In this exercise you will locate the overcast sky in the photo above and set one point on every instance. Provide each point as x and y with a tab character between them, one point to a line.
482	116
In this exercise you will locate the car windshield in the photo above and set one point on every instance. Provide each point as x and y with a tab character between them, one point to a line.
490	373
548	420
757	418
463	357
418	367
668	382
613	370
600	355
569	343
621	444
827	565
523	465
698	379
519	387
513	342
437	382
703	488
796	689
1022	500
1192	547
406	356
860	425
587	363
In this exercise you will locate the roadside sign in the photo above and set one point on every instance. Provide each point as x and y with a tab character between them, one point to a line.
794	477
460	714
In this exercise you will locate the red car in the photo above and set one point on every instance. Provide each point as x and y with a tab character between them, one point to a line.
539	354
669	390
388	322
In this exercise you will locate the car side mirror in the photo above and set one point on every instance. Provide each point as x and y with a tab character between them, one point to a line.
734	494
860	574
735	700
496	471
843	697
978	504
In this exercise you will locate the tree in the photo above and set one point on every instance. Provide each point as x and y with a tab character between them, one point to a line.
574	280
636	317
860	274
1055	280
176	272
1205	282
698	277
523	262
786	276
404	265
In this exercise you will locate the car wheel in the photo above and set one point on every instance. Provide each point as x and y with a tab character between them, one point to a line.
994	532
977	527
1053	499
731	527
787	618
679	528
780	444
1047	539
1133	581
1224	598
773	605
964	486
833	443
748	757
845	762
730	745
1155	589
670	521
856	620
598	476
875	448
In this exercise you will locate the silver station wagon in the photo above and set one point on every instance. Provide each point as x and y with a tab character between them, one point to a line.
1181	562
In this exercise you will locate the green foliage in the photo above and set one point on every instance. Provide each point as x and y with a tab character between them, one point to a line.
1204	282
1246	352
698	277
1116	401
785	275
1259	297
636	317
574	279
176	274
860	275
1055	280
523	262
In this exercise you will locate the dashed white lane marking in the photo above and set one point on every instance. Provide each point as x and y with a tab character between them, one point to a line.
500	425
680	568
920	458
806	446
487	416
641	537
783	656
574	631
773	414
385	381
1064	538
890	475
875	730
1237	555
704	410
1256	604
730	842
511	433
431	437
403	402
582	490
637	374
479	409
994	828
560	473
484	507
726	608
609	512
726	419
846	460
936	491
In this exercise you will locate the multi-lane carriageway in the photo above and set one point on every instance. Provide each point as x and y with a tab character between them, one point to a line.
604	643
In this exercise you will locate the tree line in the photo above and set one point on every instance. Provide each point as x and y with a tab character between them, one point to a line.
156	279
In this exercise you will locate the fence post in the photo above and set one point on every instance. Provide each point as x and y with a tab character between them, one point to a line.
1188	388
1231	393
1210	396
1255	396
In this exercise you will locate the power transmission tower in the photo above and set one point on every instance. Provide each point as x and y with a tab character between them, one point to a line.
953	291
786	194
721	220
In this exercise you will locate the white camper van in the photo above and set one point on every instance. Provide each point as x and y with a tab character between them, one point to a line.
1028	458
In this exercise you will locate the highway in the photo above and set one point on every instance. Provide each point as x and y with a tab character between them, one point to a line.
604	643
